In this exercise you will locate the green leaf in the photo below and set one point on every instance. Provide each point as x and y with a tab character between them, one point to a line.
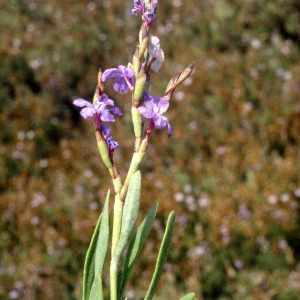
95	256
129	216
130	213
135	247
96	292
103	238
190	296
162	256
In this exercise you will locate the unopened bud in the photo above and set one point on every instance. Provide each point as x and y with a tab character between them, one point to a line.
137	121
178	79
143	32
104	152
99	87
139	88
100	82
144	145
136	62
137	126
172	83
96	95
103	149
143	47
186	73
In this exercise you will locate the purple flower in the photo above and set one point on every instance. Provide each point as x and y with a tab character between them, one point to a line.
148	14
99	108
112	145
124	78
138	6
155	107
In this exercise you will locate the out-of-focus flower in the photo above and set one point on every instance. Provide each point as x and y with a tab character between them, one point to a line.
238	264
124	78
154	108
148	13
99	108
156	54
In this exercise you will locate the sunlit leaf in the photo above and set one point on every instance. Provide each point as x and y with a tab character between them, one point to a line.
162	256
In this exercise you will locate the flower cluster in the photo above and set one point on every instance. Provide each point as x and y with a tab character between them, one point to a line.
125	81
148	14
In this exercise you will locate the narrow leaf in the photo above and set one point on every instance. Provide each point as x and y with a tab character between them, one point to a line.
162	256
135	247
96	252
96	292
130	213
89	265
102	240
190	296
129	216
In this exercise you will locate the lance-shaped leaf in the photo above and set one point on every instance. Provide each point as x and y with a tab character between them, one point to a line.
96	292
162	256
129	217
135	247
190	296
95	256
130	212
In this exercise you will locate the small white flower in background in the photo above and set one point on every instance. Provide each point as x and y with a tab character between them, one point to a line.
157	55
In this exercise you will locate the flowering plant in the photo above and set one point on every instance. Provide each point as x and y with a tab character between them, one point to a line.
136	79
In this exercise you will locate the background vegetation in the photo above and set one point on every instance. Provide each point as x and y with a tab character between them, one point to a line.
230	170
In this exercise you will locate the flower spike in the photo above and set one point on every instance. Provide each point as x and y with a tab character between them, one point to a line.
148	12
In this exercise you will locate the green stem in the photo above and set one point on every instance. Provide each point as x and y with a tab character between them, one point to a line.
137	126
134	166
117	221
113	280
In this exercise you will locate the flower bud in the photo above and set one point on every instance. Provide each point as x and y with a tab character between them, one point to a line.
137	126
178	79
136	62
100	82
186	73
104	152
143	47
139	88
144	145
137	121
143	32
103	149
96	94
99	88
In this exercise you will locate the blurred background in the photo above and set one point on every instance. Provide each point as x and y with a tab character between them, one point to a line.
230	170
